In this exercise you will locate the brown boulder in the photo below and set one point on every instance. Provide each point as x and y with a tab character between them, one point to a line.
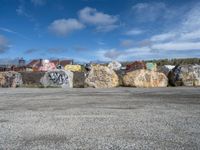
145	78
102	77
137	65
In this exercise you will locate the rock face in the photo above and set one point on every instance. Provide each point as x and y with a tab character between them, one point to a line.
185	75
10	79
145	78
57	78
102	77
135	66
78	79
115	65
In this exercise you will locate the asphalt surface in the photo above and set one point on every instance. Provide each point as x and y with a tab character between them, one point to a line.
120	118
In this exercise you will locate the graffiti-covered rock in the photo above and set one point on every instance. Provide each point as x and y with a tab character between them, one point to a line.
10	79
185	75
135	66
102	77
151	66
57	78
74	68
114	65
166	69
145	78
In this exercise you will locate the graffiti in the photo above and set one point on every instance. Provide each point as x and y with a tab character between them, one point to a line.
197	70
58	78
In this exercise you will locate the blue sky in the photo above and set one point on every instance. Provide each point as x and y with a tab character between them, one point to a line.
86	30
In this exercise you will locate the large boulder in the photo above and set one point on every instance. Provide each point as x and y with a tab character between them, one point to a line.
102	77
10	79
114	65
32	79
57	78
185	75
145	78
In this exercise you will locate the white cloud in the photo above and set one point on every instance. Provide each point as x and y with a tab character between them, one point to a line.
65	26
134	32
38	2
104	22
4	45
163	37
92	16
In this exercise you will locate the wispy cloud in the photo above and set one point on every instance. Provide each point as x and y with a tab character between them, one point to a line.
11	61
4	44
56	50
185	36
127	43
63	27
80	48
39	2
152	10
183	40
21	10
163	37
31	51
13	32
122	55
134	32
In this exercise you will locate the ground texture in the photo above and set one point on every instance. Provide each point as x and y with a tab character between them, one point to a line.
120	118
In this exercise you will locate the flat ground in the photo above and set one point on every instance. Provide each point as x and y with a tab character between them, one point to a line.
120	118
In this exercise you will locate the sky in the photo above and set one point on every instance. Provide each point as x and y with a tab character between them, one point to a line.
99	30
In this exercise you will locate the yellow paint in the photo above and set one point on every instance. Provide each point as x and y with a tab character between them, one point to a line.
77	68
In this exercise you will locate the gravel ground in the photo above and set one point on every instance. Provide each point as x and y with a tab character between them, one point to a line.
120	118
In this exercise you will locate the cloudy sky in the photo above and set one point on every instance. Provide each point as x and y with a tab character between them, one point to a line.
104	30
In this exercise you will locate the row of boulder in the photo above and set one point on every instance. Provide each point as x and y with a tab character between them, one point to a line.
107	76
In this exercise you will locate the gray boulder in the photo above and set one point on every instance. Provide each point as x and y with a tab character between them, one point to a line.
58	78
185	75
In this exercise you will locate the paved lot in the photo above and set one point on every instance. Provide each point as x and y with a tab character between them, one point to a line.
120	118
